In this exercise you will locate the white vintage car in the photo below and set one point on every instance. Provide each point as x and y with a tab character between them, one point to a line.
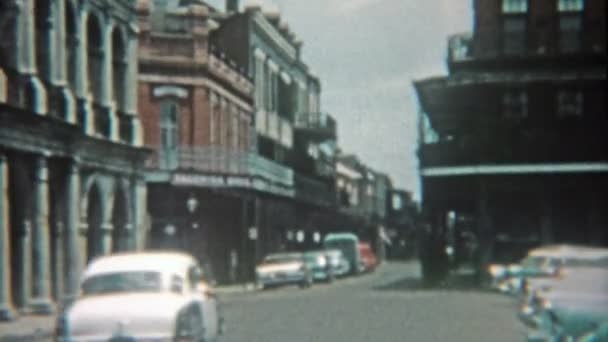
151	296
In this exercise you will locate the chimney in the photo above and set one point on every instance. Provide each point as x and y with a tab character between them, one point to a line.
232	6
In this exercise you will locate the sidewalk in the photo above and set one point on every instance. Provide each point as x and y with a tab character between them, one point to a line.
28	328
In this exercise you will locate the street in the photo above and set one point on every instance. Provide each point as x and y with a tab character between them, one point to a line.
387	305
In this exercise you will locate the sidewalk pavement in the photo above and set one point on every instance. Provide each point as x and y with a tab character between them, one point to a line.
40	328
28	328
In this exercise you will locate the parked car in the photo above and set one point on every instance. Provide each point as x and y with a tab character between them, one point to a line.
369	262
339	265
283	269
574	306
347	243
319	265
541	262
142	296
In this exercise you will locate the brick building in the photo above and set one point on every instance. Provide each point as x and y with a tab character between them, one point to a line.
513	141
210	191
71	169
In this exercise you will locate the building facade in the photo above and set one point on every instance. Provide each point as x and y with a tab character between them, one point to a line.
71	165
513	140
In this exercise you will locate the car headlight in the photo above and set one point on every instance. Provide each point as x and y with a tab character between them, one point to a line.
321	261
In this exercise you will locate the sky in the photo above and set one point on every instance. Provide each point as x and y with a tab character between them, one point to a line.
367	53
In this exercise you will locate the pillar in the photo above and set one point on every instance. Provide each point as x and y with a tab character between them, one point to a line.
105	245
59	63
83	102
41	294
105	88
6	308
72	226
3	87
140	229
25	276
32	89
484	229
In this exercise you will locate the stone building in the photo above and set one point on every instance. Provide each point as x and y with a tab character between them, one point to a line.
513	140
71	165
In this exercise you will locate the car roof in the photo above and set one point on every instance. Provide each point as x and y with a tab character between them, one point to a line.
340	236
164	262
569	251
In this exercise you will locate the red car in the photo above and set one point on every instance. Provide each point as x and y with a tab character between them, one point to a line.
368	258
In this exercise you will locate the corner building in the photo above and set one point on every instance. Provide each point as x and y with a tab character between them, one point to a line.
71	167
513	141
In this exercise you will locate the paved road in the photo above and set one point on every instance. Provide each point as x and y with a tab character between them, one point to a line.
388	305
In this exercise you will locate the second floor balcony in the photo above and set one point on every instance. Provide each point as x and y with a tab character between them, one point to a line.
537	149
321	125
315	191
216	160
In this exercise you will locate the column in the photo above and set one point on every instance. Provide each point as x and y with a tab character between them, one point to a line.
3	88
105	243
484	229
34	92
59	70
72	224
25	275
6	308
41	294
83	107
140	230
105	88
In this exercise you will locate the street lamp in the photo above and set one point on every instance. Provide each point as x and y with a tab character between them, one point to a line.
192	204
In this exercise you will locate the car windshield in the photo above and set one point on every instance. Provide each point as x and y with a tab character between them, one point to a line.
145	281
533	262
282	258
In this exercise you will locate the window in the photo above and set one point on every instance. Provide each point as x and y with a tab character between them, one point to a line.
514	6
570	33
569	103
122	282
570	5
515	104
514	35
168	125
177	284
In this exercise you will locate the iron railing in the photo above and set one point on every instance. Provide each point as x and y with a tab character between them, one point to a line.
219	160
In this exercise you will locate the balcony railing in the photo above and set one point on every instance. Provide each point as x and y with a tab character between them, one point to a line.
315	191
460	47
320	122
219	160
454	153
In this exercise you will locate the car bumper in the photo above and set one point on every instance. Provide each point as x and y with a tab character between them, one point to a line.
281	279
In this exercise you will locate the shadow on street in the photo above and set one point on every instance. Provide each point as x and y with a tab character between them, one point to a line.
455	282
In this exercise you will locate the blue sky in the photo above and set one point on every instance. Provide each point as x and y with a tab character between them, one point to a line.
367	52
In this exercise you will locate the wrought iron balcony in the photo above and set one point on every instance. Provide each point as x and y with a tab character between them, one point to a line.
460	47
314	191
322	125
219	160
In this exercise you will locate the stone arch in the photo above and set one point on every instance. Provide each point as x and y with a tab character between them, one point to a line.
71	43
119	67
122	233
43	21
95	55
